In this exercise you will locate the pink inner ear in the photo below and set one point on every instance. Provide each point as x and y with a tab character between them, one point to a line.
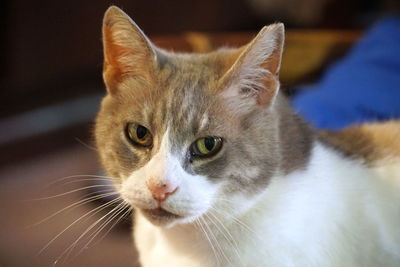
127	51
267	94
273	62
112	69
256	69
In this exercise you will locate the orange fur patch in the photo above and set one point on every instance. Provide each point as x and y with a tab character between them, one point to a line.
371	142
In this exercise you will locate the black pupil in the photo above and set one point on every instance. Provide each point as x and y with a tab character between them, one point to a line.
209	143
141	132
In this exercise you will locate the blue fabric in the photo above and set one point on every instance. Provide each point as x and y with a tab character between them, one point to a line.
364	86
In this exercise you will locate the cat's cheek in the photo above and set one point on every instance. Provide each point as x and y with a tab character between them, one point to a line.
134	191
241	203
195	196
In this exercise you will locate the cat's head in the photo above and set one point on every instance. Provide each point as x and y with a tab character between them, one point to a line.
187	134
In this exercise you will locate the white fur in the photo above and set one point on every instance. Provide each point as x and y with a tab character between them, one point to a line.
335	212
194	193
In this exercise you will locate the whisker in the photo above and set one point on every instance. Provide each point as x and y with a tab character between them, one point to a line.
85	144
87	179
72	191
117	221
238	222
229	238
218	246
77	176
209	240
216	240
75	205
93	211
254	236
73	245
116	214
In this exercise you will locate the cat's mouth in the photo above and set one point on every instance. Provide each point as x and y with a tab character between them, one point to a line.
159	215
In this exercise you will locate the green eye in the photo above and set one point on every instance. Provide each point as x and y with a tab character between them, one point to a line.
206	146
138	135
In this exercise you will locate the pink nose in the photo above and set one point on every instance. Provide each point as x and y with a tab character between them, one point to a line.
160	190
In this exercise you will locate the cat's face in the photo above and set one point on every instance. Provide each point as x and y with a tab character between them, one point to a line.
186	134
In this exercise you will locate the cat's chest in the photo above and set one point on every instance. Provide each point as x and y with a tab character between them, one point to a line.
334	213
156	248
206	245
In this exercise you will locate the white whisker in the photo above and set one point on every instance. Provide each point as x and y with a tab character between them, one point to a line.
77	204
122	210
216	239
208	239
68	250
77	176
86	145
229	238
93	211
86	179
72	191
238	222
117	221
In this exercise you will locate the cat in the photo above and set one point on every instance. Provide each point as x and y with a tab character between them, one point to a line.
222	172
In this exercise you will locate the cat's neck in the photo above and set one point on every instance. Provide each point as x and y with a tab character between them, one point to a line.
296	214
296	138
297	211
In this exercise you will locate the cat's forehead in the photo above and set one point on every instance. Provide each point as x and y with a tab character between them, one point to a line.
193	73
189	99
181	98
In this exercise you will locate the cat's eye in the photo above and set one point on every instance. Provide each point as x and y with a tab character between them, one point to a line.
138	135
206	146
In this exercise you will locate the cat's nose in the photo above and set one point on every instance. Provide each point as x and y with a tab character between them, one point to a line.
160	190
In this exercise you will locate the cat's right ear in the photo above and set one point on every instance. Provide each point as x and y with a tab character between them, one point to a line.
127	51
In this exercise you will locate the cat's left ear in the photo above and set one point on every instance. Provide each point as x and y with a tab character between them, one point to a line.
127	50
254	77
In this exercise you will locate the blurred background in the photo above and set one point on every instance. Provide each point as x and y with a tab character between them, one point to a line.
51	86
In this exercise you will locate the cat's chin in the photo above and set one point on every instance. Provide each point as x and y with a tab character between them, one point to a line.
161	217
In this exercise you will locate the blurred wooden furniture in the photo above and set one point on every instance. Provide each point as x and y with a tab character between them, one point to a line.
306	52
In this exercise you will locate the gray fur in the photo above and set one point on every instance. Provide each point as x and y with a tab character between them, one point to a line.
175	92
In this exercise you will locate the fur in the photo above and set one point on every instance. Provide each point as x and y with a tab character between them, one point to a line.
276	194
333	213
